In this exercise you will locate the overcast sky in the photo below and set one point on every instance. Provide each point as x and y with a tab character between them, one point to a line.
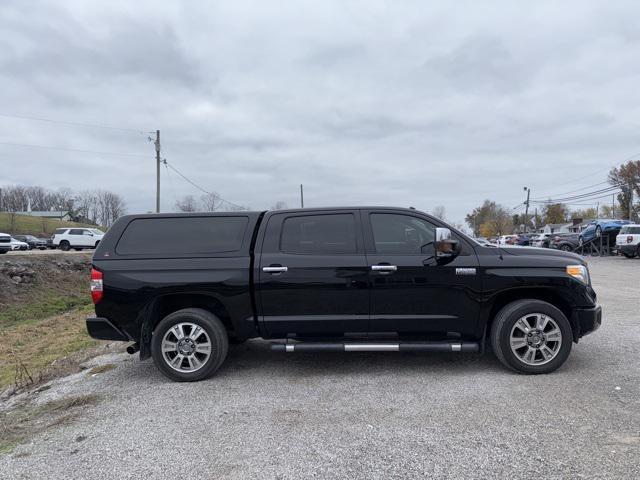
372	102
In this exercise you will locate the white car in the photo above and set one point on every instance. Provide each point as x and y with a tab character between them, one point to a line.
542	240
5	243
507	239
628	240
18	245
77	238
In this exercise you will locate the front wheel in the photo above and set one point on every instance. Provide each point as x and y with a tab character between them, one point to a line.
65	246
531	336
189	345
566	248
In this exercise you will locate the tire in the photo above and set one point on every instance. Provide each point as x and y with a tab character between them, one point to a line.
217	338
504	326
65	246
77	249
566	248
2	252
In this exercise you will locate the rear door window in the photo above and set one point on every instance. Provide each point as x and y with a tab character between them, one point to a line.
76	231
319	234
183	235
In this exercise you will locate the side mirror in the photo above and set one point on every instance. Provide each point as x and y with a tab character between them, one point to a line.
445	245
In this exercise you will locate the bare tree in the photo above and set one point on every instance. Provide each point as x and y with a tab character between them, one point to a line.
187	204
439	212
280	205
210	202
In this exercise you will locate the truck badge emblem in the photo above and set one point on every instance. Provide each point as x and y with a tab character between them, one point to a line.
465	271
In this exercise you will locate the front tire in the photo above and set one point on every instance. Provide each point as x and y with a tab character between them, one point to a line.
189	345
65	246
531	337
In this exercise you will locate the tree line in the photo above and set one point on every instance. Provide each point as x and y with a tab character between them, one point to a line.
98	207
491	219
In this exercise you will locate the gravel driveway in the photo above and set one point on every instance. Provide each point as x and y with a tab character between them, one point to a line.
363	415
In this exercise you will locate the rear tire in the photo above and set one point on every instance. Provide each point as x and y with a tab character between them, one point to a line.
550	344
185	322
65	246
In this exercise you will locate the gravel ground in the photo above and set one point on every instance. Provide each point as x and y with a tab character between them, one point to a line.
378	415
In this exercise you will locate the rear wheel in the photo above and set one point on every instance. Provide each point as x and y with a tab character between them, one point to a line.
189	345
65	246
531	337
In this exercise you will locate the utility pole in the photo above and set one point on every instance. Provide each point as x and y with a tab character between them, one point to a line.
157	144
526	210
613	205
301	197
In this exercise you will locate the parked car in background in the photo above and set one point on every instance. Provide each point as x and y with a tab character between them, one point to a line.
483	241
18	245
567	242
524	240
600	227
628	240
5	243
32	241
76	238
542	240
507	239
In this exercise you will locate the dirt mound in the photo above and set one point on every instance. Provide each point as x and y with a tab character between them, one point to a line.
23	277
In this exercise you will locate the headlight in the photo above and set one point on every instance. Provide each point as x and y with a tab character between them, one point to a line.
579	272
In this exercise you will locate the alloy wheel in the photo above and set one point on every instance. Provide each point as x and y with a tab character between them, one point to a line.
186	347
535	339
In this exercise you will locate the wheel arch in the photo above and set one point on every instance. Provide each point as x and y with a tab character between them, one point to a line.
549	295
163	305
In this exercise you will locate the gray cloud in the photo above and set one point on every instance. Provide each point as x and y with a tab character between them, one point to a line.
363	102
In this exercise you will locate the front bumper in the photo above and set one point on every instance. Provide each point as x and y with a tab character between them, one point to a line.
587	320
102	329
627	248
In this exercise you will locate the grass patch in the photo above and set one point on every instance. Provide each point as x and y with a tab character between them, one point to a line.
49	303
28	349
23	422
39	226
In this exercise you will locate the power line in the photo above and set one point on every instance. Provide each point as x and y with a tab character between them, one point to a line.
202	189
607	195
73	149
77	124
579	189
578	197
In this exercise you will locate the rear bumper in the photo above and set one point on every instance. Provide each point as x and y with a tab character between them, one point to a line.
102	329
588	320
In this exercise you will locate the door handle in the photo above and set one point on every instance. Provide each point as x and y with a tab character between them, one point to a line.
278	269
384	268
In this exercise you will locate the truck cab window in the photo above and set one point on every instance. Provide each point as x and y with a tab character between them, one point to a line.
319	234
402	234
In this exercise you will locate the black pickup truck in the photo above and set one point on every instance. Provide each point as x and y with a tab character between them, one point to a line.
181	287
